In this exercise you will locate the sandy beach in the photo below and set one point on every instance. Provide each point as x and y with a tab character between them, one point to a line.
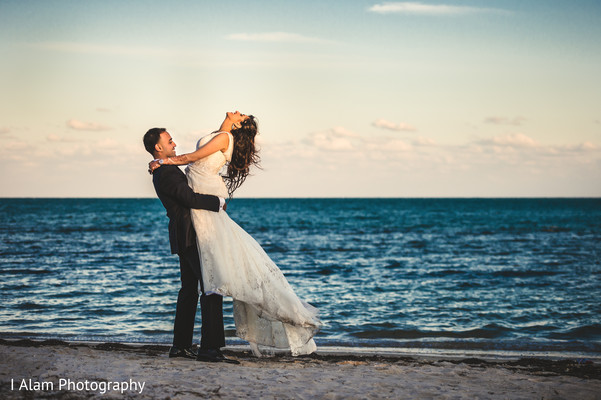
54	369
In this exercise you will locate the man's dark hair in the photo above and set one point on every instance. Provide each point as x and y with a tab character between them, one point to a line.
151	138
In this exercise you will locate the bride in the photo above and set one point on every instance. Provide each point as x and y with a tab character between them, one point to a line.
266	310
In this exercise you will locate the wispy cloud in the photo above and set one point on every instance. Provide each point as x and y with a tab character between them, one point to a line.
16	148
335	139
275	37
58	139
103	49
401	126
418	8
347	145
516	149
511	139
107	144
394	146
520	149
517	121
423	141
86	126
343	132
4	131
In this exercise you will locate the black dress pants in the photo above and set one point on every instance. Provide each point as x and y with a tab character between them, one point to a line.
211	307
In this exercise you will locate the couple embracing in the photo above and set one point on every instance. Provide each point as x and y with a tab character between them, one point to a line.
218	256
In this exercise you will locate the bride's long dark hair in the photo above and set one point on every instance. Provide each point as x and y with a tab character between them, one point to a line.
244	155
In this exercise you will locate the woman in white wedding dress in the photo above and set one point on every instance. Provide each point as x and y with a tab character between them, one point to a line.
266	310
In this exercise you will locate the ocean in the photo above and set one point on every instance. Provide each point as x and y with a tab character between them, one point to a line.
489	274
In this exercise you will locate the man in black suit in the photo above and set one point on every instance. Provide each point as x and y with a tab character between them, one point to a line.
171	186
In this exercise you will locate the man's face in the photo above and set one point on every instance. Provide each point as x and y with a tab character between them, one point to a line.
166	146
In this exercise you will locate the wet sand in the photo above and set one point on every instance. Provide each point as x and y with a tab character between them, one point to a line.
55	369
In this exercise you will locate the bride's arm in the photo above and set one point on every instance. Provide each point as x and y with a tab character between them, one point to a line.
218	143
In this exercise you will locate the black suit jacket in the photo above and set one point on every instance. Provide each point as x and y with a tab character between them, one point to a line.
171	185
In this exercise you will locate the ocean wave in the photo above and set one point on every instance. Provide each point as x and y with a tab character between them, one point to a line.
586	332
30	306
489	331
27	271
517	273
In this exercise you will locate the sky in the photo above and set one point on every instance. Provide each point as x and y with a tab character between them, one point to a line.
480	98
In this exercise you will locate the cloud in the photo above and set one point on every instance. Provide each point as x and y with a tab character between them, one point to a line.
401	126
16	146
93	48
423	141
335	139
511	139
339	131
588	146
274	37
349	146
340	149
517	121
4	131
427	9
518	149
585	147
57	139
107	144
86	126
396	146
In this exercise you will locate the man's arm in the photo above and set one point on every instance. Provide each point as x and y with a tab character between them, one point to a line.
175	184
217	143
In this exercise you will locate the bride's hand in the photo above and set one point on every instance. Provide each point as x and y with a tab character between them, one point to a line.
154	164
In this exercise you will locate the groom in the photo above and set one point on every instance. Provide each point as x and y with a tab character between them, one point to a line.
171	186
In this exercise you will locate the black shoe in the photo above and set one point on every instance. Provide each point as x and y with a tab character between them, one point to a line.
214	355
183	353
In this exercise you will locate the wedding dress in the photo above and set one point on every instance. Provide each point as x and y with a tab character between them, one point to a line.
266	309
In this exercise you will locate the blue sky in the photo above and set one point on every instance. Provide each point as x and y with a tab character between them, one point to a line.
354	98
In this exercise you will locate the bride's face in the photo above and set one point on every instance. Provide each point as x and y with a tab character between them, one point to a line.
236	117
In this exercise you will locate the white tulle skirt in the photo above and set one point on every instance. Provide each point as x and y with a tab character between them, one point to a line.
266	310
